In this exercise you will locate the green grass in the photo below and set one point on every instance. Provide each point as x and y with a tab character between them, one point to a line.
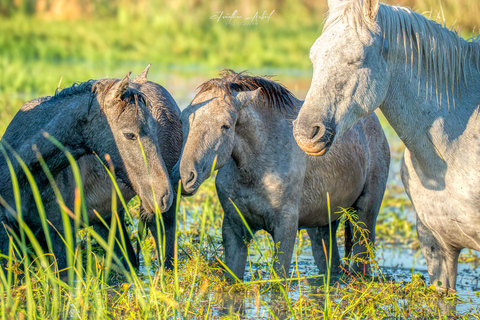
199	288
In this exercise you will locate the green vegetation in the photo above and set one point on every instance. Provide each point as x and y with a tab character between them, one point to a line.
198	287
43	47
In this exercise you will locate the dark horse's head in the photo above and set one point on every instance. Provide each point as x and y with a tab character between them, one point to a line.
122	128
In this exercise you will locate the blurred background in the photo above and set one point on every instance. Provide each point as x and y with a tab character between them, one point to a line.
45	44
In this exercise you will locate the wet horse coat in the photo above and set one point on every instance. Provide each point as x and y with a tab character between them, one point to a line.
97	183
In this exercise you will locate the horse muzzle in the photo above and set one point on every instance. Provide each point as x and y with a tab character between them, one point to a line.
314	140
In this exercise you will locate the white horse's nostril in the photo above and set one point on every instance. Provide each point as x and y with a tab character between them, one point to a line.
315	131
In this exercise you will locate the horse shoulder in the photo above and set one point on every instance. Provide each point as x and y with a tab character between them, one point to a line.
342	172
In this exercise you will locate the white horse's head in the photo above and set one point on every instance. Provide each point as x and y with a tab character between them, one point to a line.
350	77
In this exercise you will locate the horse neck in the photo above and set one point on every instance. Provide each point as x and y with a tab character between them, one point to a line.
427	121
259	133
60	119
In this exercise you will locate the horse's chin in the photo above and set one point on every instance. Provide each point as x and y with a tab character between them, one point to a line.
317	150
315	147
189	193
148	208
316	153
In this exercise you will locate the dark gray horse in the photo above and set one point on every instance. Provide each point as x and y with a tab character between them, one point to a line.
97	183
107	116
245	123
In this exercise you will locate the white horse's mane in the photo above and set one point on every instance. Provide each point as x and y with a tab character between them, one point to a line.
445	55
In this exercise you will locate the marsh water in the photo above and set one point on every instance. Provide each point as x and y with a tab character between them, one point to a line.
398	260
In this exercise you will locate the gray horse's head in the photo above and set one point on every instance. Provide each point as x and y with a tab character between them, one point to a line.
350	77
209	131
122	126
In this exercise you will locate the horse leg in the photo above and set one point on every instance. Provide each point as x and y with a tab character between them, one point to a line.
441	259
284	235
320	239
235	237
4	247
367	206
128	242
59	247
132	257
169	223
104	231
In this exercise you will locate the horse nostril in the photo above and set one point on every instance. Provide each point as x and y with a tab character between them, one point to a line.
315	132
191	178
165	202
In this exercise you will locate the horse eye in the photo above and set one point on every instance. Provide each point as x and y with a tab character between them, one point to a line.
130	136
225	127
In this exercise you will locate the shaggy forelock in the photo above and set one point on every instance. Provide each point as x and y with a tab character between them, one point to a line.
275	94
100	88
130	96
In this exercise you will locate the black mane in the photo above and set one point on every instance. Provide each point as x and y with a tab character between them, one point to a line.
100	87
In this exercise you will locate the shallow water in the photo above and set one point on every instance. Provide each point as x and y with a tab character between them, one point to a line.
396	263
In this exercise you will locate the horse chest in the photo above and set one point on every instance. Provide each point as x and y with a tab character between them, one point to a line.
450	209
264	201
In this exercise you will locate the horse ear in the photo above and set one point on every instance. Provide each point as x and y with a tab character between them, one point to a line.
370	9
243	98
142	77
333	3
123	86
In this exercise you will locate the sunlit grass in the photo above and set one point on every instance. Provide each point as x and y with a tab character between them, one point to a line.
40	51
200	287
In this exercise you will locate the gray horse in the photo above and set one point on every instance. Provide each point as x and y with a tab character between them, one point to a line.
97	183
245	123
426	81
107	116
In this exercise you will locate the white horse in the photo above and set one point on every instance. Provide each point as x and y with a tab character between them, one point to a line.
426	81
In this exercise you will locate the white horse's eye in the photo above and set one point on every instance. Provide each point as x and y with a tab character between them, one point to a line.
226	127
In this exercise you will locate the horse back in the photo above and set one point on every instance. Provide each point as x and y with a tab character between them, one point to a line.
22	125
